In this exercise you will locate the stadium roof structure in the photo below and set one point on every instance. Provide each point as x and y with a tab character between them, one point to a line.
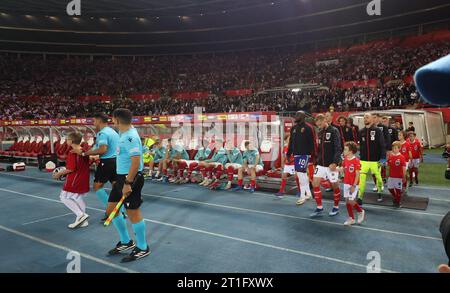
153	27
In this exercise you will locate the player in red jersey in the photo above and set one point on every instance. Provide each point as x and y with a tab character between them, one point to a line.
405	150
416	158
77	182
351	168
397	173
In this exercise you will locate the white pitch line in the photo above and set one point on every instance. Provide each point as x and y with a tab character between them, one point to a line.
46	219
305	218
183	228
272	196
289	216
61	247
293	199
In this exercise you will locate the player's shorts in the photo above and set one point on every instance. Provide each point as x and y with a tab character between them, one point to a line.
106	171
290	169
235	166
188	162
395	183
325	173
414	163
258	168
301	163
71	195
134	200
347	193
214	164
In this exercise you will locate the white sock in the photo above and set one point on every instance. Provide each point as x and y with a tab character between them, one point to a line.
304	184
74	202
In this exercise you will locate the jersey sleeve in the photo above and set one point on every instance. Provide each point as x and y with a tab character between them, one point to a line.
102	139
133	146
358	165
71	162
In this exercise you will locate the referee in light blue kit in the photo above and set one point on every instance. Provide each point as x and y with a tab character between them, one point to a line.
129	182
106	142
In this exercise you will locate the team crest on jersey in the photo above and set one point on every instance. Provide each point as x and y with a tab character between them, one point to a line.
130	139
372	135
351	168
415	148
302	130
397	163
346	129
390	131
327	136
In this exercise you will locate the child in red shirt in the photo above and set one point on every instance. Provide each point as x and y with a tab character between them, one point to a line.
397	173
417	157
351	168
76	185
405	150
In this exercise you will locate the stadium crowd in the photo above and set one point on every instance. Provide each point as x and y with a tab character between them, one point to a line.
55	82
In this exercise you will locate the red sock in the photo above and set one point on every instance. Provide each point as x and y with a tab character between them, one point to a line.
357	207
337	197
311	171
165	172
180	173
297	182
394	193
350	210
240	182
398	194
209	171
404	185
282	185
191	169
230	172
203	170
219	172
253	183
318	196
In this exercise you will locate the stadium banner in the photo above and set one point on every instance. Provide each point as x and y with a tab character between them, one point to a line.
95	98
348	84
239	92
191	96
327	62
147	96
186	118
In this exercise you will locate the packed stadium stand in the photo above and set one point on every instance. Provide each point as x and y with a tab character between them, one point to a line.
375	75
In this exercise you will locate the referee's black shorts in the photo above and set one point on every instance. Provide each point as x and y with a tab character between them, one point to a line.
106	171
134	200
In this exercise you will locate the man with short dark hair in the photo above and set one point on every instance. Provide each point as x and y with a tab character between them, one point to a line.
303	145
130	181
411	127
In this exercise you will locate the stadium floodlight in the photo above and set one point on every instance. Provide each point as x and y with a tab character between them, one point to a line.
296	90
